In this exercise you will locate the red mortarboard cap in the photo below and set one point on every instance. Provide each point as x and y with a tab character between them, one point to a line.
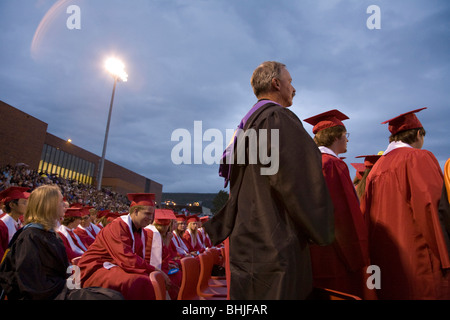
164	216
370	160
326	120
85	210
102	213
405	121
14	193
193	218
142	199
74	212
204	218
111	216
181	217
360	168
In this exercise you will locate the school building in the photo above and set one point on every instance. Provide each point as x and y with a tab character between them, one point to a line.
24	139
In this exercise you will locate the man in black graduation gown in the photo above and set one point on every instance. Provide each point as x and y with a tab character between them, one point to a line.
272	215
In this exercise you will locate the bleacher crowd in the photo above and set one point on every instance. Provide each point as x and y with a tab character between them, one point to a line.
22	176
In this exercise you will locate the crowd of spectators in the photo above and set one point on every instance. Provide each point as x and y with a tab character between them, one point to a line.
22	176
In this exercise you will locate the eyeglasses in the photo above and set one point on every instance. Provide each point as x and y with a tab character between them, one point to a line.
347	135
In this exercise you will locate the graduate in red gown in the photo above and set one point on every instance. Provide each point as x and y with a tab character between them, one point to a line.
192	236
178	244
15	202
203	235
74	246
340	266
86	231
160	253
369	162
116	259
407	239
360	168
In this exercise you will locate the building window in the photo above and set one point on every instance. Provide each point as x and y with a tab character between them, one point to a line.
65	165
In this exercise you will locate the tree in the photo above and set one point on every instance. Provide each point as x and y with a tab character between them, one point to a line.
219	201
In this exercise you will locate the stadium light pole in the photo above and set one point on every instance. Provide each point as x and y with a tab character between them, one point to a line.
117	69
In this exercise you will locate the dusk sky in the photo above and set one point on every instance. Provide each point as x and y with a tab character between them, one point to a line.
191	60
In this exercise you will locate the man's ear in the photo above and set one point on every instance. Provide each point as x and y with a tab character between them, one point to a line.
276	83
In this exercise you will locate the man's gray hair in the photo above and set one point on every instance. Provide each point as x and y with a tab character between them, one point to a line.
262	76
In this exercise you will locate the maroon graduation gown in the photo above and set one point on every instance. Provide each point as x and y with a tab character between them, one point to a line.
341	266
86	238
406	237
270	219
188	241
116	261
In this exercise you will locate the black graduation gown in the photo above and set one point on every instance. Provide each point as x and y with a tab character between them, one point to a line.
35	268
270	219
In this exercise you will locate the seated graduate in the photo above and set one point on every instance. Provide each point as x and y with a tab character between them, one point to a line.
14	200
203	234
178	243
74	246
162	255
36	264
116	259
86	230
192	236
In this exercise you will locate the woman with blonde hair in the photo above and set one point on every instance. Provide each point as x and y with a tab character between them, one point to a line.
36	264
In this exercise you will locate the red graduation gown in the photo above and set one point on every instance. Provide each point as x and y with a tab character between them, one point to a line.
116	260
205	238
341	266
406	238
87	235
70	253
191	246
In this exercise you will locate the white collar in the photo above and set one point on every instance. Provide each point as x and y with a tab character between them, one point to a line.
11	224
395	145
327	151
156	253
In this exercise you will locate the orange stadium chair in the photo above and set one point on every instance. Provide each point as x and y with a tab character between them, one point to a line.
204	290
159	284
191	272
216	281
